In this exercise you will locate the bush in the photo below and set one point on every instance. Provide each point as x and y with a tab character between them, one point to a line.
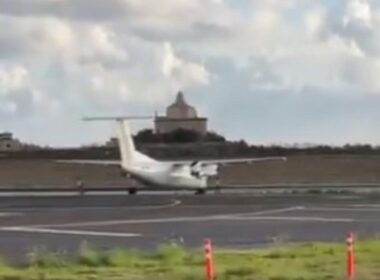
122	258
41	257
172	253
89	256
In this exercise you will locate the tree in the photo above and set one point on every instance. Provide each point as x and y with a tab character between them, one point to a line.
213	137
176	136
147	136
181	136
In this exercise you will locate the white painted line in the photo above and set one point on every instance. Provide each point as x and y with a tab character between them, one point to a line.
303	219
91	193
148	207
70	232
272	211
140	221
203	219
227	216
37	194
328	209
366	205
9	214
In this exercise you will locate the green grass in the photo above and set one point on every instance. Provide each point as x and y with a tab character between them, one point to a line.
310	261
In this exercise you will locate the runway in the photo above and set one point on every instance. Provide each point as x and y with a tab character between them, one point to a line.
243	220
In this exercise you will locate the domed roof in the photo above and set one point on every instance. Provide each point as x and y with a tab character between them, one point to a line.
179	101
180	109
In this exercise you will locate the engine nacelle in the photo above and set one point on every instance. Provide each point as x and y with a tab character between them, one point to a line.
204	170
210	170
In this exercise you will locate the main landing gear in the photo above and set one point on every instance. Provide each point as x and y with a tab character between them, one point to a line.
132	191
200	192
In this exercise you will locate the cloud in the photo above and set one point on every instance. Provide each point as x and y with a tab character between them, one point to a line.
18	94
61	58
85	10
359	12
76	68
184	73
15	89
51	38
359	23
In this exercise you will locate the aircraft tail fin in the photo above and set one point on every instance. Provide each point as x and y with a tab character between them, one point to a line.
126	144
127	148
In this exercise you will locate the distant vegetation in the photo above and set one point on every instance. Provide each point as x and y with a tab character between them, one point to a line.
358	149
177	136
189	144
217	146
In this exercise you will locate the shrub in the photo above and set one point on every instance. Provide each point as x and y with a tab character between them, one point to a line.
120	257
172	253
89	256
41	257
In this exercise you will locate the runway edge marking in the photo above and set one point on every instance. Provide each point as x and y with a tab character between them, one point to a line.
10	214
272	211
232	216
228	216
70	232
148	207
200	219
353	209
296	218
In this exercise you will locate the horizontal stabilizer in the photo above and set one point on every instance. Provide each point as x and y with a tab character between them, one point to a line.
90	162
117	118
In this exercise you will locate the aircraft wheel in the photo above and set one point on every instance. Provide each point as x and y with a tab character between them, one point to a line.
218	189
132	191
200	192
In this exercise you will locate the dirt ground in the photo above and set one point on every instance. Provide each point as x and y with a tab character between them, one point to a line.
300	169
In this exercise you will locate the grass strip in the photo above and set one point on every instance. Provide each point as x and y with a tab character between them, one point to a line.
308	261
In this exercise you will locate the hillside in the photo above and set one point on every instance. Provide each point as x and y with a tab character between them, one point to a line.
298	169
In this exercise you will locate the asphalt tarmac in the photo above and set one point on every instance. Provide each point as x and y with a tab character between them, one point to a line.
241	220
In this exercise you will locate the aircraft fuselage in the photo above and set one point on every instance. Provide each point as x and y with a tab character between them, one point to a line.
163	175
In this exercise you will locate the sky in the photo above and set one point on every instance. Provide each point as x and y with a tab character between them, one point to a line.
267	71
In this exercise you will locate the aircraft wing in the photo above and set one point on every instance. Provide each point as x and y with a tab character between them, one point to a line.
227	161
90	162
240	160
179	164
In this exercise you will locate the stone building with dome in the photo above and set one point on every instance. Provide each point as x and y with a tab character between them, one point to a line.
9	143
180	115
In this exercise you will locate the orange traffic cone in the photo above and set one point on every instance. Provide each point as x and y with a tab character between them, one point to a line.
350	257
209	264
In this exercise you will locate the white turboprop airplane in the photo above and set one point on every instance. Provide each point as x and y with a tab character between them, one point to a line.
164	174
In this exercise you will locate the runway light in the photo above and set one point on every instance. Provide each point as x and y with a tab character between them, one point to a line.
350	257
209	264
